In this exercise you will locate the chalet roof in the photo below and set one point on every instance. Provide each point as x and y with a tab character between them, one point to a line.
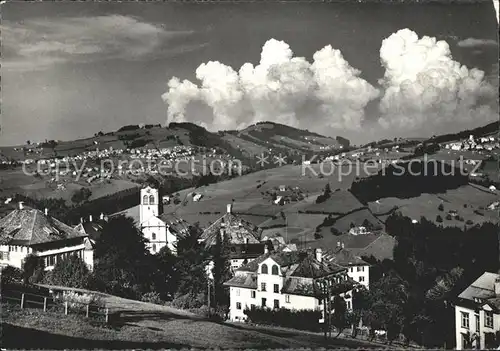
248	281
237	229
29	226
343	257
92	229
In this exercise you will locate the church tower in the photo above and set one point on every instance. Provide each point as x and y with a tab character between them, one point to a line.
150	204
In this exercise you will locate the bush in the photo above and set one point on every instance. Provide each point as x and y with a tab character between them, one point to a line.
469	222
303	319
448	217
78	301
441	207
71	272
33	269
188	301
439	219
152	297
11	274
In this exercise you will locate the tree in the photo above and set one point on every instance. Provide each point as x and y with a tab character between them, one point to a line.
33	269
122	261
81	195
441	207
167	277
327	191
192	258
71	272
11	274
439	219
221	270
339	316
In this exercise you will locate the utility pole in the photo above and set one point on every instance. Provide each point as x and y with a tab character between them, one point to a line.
329	312
208	296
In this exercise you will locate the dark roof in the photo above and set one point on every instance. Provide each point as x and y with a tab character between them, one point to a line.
482	288
343	257
29	226
246	250
237	229
175	224
248	281
92	229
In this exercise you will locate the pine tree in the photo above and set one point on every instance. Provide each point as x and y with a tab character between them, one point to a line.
221	270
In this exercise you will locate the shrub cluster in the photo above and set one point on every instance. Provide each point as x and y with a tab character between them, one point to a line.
303	319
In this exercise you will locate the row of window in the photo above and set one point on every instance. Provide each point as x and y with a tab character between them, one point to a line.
51	260
264	304
4	256
18	249
253	293
276	287
488	320
358	269
265	270
151	199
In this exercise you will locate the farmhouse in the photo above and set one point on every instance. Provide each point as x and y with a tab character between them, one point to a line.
282	279
477	313
27	231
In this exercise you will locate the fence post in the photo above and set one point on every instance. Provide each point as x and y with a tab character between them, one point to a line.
107	315
22	300
88	305
44	304
66	307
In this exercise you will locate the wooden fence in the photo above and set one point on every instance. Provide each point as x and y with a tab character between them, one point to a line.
27	299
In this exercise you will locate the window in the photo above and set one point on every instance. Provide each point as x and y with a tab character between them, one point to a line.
252	294
237	292
287	298
151	200
275	270
252	306
238	305
145	200
154	247
465	320
264	302
348	304
153	236
488	319
360	269
276	303
276	288
477	323
262	286
4	256
361	279
263	270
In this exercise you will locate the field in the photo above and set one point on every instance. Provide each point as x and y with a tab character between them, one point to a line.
143	325
464	200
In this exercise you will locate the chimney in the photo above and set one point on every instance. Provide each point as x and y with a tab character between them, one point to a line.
319	255
229	208
21	205
102	216
90	218
46	211
497	286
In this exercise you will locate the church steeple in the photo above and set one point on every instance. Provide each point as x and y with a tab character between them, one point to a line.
150	203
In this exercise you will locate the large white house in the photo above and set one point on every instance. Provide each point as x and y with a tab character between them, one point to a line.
27	231
477	314
281	279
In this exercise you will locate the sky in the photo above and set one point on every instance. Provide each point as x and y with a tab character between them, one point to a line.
363	71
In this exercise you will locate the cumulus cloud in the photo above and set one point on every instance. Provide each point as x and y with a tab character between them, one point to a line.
424	86
39	43
281	88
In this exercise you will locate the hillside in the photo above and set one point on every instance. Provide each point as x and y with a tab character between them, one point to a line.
242	144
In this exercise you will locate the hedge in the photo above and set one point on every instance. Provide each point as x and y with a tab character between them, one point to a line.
297	319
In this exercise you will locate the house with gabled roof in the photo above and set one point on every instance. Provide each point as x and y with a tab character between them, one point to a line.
283	279
27	231
357	268
477	314
243	237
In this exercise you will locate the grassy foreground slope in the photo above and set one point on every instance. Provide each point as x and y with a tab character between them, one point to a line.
143	325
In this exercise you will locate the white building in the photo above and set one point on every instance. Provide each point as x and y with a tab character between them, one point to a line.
477	313
27	231
285	279
357	269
